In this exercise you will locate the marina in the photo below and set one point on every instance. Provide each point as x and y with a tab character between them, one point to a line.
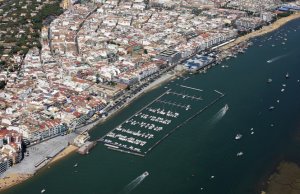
148	127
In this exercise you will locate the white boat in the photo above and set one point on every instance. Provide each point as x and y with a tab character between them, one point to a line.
252	132
287	75
226	107
212	177
269	80
75	165
238	136
251	129
271	107
277	101
239	154
43	190
283	85
282	90
146	173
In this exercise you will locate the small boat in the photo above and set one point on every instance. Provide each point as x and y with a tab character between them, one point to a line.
239	154
282	90
252	132
43	190
271	107
269	80
146	173
226	107
75	165
212	177
269	61
238	136
283	85
251	129
277	101
287	75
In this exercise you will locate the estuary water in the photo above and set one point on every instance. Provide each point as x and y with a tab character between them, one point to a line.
201	156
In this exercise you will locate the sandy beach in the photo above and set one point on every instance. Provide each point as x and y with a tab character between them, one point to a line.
285	180
264	30
16	178
12	179
68	150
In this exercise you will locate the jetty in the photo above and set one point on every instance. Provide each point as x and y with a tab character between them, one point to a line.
135	135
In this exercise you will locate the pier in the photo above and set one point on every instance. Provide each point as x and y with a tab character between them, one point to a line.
186	96
191	88
149	126
101	139
187	107
185	121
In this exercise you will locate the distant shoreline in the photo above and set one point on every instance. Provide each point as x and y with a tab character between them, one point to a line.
14	179
264	30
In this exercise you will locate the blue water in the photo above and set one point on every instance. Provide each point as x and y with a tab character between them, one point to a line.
186	161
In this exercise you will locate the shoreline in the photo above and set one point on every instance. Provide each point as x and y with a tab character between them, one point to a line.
13	179
67	151
264	30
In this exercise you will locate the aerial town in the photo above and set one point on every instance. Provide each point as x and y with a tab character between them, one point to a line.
96	56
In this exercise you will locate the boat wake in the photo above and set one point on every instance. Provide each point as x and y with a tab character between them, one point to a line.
277	58
133	184
220	114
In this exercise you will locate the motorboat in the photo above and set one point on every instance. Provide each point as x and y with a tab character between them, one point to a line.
75	165
282	90
238	136
43	190
226	107
252	132
269	80
239	154
146	173
287	75
271	108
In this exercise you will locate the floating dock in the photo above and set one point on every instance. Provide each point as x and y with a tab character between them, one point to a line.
149	126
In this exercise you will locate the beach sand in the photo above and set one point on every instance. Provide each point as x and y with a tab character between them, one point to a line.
286	180
68	150
12	179
264	30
